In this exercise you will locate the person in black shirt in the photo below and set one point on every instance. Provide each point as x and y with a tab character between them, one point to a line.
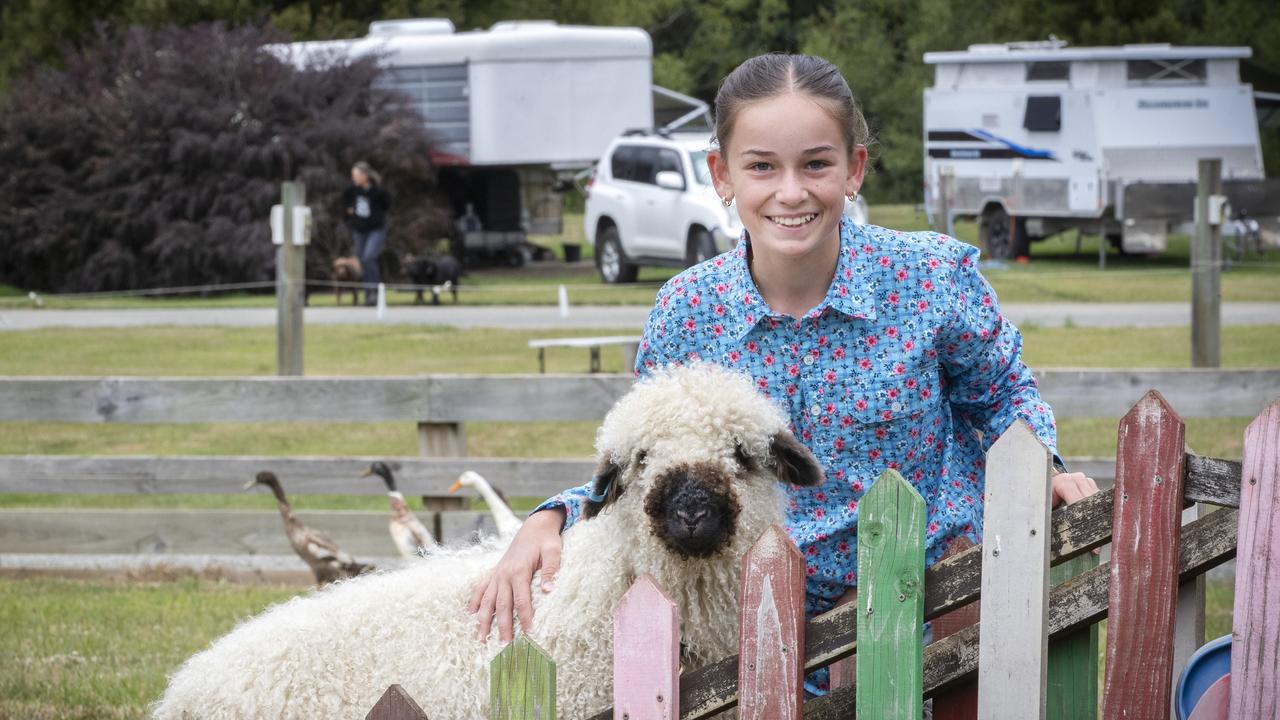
366	205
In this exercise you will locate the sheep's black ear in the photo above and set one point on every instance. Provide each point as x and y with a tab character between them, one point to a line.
604	485
793	462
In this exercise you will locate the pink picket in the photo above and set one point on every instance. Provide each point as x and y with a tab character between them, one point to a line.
1255	652
646	654
771	629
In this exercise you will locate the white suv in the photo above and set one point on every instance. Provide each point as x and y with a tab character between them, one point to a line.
650	202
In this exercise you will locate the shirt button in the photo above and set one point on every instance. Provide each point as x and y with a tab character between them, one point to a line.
815	410
897	407
808	359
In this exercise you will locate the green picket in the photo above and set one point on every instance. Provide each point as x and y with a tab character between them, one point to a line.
890	599
1072	687
522	683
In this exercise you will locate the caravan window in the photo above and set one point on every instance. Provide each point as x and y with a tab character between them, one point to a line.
1048	70
1044	113
1166	71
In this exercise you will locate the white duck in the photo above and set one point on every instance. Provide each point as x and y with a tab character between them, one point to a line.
407	531
507	522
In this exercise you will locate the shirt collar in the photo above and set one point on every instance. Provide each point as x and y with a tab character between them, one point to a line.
852	290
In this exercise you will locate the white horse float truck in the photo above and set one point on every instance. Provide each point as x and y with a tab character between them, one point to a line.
1031	139
519	110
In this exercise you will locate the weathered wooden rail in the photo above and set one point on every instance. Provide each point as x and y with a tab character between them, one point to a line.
474	398
1027	621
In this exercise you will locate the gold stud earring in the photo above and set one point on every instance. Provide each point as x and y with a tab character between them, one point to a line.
853	196
727	200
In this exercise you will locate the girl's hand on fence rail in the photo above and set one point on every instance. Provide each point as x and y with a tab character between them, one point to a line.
507	587
1071	487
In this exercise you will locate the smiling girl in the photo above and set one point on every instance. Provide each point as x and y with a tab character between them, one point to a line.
887	348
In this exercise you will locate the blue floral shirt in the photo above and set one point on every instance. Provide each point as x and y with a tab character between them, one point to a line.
906	364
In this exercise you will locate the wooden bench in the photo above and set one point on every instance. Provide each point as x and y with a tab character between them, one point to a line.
629	343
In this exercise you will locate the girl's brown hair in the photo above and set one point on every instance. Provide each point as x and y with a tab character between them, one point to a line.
766	76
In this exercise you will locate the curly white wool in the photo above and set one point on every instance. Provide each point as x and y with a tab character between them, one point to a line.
333	652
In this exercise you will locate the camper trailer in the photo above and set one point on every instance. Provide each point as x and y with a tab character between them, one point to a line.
1031	139
519	109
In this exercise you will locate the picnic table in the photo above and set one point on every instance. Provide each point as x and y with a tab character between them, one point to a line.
629	344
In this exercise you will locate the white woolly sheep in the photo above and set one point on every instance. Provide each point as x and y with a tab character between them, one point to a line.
690	464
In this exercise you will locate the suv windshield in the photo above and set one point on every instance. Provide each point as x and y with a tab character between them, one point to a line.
699	158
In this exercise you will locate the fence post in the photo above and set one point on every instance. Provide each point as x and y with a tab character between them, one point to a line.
890	599
291	284
646	654
1255	661
771	629
1013	642
522	683
1206	269
1147	522
436	439
396	704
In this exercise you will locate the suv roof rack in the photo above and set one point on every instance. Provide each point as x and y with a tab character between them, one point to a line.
645	132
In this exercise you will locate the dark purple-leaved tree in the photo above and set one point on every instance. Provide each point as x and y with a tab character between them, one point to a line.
153	157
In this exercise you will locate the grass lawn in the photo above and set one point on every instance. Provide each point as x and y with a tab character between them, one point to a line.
1056	273
88	650
81	650
408	350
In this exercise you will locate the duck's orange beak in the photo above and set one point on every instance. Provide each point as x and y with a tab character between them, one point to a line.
456	486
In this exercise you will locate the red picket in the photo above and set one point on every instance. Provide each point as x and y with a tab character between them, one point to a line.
771	629
646	654
960	703
1146	516
1255	652
395	704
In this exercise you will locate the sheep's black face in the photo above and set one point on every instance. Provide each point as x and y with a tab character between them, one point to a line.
693	509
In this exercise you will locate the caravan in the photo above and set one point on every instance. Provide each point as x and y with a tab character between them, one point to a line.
1035	138
520	109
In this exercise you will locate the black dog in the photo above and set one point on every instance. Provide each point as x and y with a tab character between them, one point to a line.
436	272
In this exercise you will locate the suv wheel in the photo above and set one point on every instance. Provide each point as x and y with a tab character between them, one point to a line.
611	261
700	249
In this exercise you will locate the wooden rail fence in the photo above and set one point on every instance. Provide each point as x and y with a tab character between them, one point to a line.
1027	621
440	406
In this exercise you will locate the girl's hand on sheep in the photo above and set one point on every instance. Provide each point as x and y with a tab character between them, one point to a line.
536	546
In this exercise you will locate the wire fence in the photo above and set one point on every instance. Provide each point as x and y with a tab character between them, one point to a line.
38	299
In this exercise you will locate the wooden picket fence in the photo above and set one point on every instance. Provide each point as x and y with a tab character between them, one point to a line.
1036	655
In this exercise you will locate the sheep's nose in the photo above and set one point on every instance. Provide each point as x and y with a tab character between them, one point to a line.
691	516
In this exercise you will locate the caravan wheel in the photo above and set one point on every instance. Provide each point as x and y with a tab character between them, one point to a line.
1002	239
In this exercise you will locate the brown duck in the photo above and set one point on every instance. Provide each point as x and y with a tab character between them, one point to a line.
327	561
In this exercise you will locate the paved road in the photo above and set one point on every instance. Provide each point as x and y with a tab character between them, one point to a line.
617	317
